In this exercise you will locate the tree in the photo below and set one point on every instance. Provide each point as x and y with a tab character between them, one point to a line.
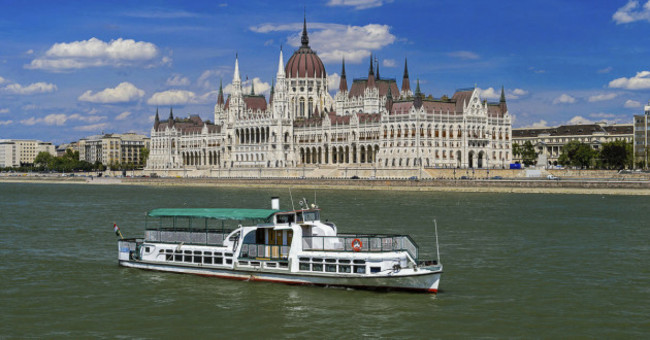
528	154
577	153
144	155
43	159
617	155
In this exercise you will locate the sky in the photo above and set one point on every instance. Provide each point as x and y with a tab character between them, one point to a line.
71	69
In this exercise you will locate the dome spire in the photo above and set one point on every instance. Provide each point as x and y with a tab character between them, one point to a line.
343	83
304	39
281	64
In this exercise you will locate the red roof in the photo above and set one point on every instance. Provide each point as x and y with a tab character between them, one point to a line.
304	63
360	85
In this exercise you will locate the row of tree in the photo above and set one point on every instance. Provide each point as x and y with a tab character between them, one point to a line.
612	155
70	162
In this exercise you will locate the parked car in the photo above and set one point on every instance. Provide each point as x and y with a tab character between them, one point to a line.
553	177
354	177
464	177
496	177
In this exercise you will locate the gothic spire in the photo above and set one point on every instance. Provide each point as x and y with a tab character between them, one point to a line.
253	87
220	97
171	113
343	83
503	95
157	118
236	75
417	88
304	39
371	75
272	91
280	64
370	71
406	85
377	66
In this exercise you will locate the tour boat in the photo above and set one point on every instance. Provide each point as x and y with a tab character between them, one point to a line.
287	246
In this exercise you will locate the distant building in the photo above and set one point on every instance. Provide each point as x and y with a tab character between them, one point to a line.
641	142
62	148
113	148
548	142
371	123
17	152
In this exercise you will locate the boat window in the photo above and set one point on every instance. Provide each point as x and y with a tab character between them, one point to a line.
256	264
284	265
317	267
178	257
207	253
359	261
344	261
218	260
304	266
285	218
169	257
304	259
344	269
330	268
375	269
330	260
228	254
243	263
311	215
147	249
250	237
316	260
207	259
271	264
359	269
228	261
188	256
197	257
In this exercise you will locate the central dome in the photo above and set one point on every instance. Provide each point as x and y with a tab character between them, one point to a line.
305	63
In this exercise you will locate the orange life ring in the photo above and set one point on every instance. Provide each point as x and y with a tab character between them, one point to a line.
357	244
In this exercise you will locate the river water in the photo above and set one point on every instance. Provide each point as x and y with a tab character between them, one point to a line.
516	265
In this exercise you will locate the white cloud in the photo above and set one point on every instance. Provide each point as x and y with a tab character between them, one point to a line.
641	81
465	55
576	120
632	104
358	4
208	76
602	115
517	93
333	81
631	13
30	51
260	86
123	93
177	80
335	41
34	88
538	125
59	119
5	110
6	122
92	127
2	80
564	99
389	63
172	97
602	97
489	93
606	70
95	53
536	70
123	115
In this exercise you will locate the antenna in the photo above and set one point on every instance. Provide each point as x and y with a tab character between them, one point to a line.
290	195
435	224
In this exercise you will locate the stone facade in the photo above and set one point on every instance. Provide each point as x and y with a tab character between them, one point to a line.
113	148
374	123
548	142
17	152
641	135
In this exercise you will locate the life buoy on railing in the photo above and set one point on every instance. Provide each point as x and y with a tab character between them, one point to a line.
357	244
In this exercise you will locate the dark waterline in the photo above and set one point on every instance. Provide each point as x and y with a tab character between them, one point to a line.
516	265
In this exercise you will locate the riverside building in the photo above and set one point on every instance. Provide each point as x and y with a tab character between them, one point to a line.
548	142
20	152
641	134
113	148
373	122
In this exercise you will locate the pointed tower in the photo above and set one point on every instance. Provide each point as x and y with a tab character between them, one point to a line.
253	87
389	100
280	92
377	66
220	97
371	76
236	102
417	101
502	102
272	90
343	83
406	85
156	121
170	121
219	110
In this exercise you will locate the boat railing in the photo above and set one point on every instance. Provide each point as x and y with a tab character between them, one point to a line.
369	243
186	236
264	251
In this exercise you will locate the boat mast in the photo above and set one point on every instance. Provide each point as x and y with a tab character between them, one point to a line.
435	224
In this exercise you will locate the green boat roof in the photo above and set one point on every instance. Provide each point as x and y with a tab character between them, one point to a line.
215	213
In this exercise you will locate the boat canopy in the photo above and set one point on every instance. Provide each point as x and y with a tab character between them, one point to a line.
215	213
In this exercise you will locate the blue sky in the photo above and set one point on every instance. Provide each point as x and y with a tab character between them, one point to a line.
70	69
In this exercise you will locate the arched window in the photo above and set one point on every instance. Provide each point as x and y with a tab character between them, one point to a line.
310	112
302	107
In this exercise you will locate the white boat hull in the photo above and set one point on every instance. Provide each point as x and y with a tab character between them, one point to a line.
424	279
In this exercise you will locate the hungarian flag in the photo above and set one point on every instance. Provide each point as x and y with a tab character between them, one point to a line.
116	229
